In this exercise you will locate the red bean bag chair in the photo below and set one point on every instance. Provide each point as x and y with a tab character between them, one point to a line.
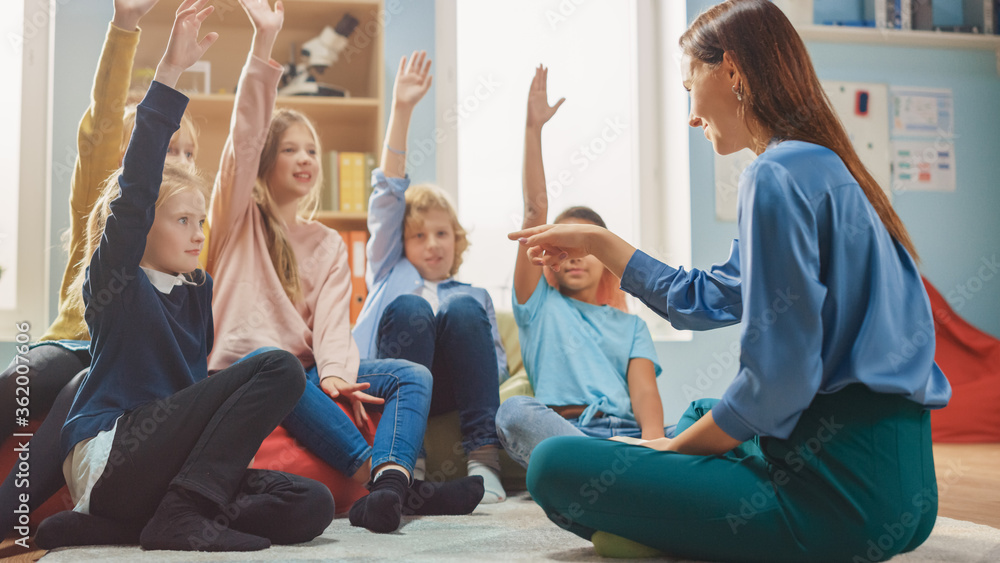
281	452
970	359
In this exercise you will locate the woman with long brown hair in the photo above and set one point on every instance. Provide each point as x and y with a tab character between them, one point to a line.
820	449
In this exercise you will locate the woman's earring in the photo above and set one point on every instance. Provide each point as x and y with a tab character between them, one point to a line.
739	94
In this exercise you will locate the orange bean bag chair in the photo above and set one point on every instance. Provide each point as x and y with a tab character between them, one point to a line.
970	359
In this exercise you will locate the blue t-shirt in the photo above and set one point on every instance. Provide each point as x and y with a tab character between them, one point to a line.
826	297
576	353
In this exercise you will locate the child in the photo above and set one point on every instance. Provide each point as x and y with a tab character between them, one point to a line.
822	430
415	309
593	368
153	447
63	351
284	281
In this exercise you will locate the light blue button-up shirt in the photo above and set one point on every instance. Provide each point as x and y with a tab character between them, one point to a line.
389	274
823	294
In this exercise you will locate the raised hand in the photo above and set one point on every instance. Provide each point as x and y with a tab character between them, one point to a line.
539	110
336	387
183	48
412	80
263	18
129	12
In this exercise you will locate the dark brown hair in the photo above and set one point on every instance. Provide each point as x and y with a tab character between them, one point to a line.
780	90
608	290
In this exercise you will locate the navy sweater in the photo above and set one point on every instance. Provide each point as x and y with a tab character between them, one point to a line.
146	345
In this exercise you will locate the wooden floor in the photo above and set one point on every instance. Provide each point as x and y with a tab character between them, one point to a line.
968	477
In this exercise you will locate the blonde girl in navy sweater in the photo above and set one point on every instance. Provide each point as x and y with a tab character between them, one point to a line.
154	450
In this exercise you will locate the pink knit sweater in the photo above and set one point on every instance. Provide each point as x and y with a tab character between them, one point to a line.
251	309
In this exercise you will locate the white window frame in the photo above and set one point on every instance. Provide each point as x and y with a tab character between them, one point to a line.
35	185
662	136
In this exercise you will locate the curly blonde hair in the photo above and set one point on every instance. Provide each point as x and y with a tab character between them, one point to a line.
422	198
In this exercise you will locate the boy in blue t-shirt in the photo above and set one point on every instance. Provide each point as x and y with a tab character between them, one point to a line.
592	367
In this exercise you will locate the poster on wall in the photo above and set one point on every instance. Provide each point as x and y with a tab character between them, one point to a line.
923	144
922	112
923	165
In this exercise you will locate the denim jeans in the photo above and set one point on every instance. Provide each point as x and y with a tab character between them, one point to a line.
320	425
456	345
523	422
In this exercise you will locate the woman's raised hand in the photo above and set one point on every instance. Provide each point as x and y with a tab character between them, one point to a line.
539	110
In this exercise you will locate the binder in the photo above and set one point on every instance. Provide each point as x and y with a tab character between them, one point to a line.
981	14
352	185
330	195
370	164
356	243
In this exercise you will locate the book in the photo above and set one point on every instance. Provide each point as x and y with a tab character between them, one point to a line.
980	15
922	15
352	184
891	14
370	164
329	199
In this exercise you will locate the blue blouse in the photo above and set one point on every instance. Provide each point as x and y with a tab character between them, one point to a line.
823	294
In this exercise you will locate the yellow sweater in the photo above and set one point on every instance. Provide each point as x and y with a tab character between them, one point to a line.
98	155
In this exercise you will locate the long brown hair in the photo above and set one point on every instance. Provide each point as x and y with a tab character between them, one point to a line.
177	178
282	256
780	89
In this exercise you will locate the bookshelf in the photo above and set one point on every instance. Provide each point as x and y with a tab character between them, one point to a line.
899	37
353	123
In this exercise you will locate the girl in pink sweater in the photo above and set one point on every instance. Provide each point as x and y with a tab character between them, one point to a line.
283	281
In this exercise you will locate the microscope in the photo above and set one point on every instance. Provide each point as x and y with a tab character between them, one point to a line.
320	52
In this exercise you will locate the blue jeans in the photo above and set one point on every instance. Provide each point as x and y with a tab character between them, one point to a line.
320	425
523	422
456	345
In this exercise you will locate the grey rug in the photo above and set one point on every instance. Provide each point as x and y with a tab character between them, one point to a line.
515	530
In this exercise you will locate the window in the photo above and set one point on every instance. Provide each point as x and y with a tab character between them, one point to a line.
24	125
609	147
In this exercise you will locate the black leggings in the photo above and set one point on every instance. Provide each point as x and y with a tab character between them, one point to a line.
49	368
202	439
46	476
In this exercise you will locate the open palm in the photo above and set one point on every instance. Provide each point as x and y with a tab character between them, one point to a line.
413	79
539	110
264	19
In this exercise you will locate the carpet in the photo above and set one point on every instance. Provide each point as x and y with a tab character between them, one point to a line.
515	530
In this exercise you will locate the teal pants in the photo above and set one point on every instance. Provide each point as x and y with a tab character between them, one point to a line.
854	482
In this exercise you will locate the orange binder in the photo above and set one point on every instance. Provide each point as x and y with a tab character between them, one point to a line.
356	244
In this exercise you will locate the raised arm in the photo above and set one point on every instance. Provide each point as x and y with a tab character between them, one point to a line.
387	207
255	95
157	118
98	140
536	202
413	79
